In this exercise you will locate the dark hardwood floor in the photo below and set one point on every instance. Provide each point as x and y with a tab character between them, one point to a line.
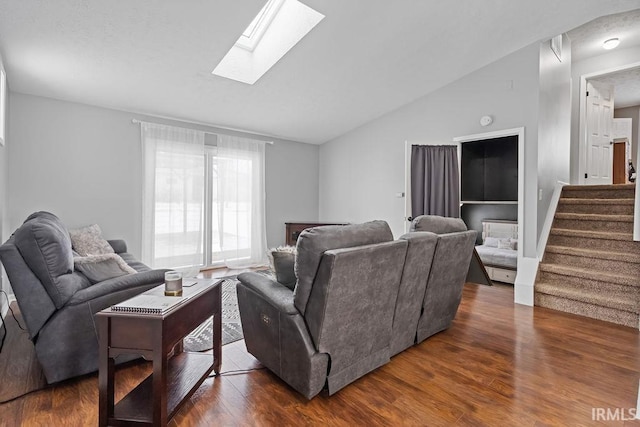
500	364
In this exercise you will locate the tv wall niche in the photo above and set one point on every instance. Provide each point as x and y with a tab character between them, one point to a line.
489	181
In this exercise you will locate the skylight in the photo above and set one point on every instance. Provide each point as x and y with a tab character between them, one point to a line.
279	26
254	32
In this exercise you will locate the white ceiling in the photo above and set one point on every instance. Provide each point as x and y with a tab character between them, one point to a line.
586	42
587	39
366	58
626	87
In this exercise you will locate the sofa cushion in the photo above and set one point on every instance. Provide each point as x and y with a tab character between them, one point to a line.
283	261
43	242
313	242
102	267
438	224
88	241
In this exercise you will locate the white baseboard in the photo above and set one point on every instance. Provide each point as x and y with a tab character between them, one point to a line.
523	287
528	267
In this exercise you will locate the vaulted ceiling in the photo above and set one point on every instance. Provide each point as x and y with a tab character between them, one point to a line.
366	58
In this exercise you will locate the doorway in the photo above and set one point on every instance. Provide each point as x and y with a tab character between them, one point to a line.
620	162
516	133
598	127
599	132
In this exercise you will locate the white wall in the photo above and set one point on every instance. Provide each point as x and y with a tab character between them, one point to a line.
83	163
554	123
291	187
601	63
361	171
632	113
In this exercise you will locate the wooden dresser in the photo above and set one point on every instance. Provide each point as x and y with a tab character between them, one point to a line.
293	229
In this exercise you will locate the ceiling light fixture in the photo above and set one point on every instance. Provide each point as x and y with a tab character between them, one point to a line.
611	43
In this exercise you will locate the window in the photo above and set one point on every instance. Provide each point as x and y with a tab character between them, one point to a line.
173	196
240	202
178	208
253	33
203	205
230	238
279	26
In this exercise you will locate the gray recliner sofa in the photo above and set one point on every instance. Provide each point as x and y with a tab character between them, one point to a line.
336	325
358	300
449	245
58	303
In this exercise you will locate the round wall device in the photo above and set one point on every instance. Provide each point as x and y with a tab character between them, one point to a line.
486	120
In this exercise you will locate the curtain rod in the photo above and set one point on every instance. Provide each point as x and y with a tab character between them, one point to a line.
136	121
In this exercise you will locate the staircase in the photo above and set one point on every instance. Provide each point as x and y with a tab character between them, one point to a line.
591	265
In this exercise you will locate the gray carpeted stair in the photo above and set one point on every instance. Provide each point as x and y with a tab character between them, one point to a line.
596	206
591	265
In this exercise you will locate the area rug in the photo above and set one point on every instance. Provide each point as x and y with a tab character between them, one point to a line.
20	372
201	337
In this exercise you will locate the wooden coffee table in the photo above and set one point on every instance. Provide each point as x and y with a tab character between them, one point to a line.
158	337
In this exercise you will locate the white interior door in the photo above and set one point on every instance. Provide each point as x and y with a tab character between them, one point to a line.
599	128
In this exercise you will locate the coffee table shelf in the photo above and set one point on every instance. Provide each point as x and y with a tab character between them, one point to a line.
185	373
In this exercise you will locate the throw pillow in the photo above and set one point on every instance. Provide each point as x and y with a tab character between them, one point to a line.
506	244
283	260
514	244
88	241
98	268
491	242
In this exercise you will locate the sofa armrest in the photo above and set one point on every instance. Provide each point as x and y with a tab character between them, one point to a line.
118	284
271	291
119	246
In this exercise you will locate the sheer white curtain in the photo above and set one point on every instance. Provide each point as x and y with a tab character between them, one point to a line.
173	197
240	202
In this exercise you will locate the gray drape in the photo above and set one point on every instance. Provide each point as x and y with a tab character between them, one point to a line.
434	180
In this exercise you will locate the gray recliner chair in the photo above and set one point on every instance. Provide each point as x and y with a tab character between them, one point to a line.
451	259
438	256
58	303
417	266
336	325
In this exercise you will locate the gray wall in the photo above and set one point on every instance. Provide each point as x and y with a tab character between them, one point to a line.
84	164
361	171
554	123
597	64
632	113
